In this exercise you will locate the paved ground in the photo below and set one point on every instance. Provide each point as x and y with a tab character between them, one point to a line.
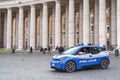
36	67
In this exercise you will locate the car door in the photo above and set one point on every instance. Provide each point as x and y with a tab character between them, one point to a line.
86	59
95	54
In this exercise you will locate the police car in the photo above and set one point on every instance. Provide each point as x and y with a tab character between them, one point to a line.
81	56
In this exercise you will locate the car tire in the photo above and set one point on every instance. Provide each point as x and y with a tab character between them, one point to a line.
70	66
104	64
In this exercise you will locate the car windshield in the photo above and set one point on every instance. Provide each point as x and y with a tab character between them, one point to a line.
71	50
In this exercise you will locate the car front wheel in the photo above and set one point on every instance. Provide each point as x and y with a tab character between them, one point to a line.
70	66
104	64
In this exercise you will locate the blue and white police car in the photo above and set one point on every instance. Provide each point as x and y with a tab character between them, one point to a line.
77	57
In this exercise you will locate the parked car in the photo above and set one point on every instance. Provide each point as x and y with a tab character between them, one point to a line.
81	56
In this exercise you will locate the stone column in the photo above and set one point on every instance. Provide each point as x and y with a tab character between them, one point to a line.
86	22
45	26
118	23
41	19
58	24
5	30
53	27
81	21
20	29
28	33
102	22
0	30
66	25
96	23
32	26
9	27
71	29
17	26
113	23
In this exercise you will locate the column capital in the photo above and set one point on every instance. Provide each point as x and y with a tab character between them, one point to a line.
9	8
57	1
20	6
45	4
32	5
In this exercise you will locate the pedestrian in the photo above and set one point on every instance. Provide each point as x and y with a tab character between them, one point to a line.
104	48
31	50
49	50
13	50
60	49
44	50
56	48
41	50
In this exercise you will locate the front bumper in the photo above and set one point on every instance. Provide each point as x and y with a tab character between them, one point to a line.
57	65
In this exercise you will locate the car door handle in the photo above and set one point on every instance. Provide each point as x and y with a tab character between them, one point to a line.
90	55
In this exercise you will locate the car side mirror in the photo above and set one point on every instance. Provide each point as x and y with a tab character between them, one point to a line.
80	53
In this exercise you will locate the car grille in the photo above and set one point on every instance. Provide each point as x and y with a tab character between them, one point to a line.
55	59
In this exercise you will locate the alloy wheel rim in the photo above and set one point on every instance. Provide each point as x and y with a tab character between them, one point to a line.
104	63
70	66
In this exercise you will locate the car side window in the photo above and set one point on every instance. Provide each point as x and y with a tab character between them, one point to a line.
84	50
94	50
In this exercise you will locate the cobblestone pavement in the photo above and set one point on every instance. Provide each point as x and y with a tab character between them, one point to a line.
36	67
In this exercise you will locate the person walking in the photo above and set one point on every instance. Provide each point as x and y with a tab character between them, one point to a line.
60	49
56	48
49	50
31	50
104	47
41	50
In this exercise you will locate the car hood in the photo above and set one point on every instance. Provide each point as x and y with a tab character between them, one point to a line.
58	56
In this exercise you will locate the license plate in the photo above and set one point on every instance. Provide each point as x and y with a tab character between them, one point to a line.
53	64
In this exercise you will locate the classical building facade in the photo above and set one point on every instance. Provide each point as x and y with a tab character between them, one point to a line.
43	23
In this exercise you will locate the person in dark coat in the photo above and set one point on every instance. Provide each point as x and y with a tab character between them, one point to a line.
104	48
60	49
49	50
56	48
44	50
31	50
41	50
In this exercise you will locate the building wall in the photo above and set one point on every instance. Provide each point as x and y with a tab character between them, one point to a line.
43	23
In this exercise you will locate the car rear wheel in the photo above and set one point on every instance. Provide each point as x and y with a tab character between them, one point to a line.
70	66
104	64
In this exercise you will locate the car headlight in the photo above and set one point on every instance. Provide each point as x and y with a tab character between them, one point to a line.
63	58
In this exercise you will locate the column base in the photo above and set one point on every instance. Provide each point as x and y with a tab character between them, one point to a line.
20	50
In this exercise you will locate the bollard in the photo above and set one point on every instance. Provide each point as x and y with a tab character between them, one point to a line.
116	52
